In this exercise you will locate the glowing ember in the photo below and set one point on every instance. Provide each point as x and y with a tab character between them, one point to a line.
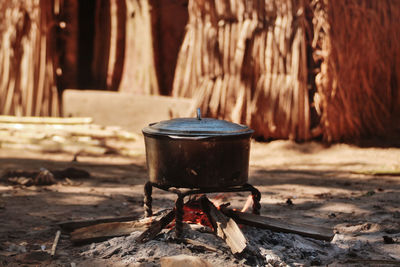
193	214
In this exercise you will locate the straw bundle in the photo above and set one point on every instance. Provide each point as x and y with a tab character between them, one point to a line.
27	49
358	43
246	61
139	71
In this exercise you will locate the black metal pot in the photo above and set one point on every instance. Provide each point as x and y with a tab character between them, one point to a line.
197	152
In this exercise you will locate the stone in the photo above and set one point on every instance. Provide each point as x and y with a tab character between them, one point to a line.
184	261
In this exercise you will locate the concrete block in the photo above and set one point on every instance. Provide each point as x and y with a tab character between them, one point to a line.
130	111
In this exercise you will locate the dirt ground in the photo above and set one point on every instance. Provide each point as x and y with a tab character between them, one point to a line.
353	190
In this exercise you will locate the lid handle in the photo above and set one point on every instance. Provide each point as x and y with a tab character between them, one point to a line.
198	114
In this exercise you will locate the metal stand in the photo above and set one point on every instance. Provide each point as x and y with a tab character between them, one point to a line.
182	193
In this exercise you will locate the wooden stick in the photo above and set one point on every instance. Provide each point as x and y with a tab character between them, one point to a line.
54	247
45	120
306	230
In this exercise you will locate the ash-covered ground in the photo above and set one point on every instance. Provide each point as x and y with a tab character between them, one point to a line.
275	249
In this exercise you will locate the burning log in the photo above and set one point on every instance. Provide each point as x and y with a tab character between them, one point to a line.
156	227
225	227
229	231
306	230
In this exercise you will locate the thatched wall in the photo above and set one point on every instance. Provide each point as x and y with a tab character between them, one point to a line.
294	69
245	61
27	52
358	44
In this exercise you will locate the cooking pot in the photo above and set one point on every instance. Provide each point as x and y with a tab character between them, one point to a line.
197	152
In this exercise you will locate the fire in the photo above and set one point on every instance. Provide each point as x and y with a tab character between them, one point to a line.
195	215
248	204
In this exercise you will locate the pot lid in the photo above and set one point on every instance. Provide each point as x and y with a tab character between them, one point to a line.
199	126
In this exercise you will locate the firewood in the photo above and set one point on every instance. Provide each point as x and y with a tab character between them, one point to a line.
225	227
156	227
91	130
75	224
106	230
316	232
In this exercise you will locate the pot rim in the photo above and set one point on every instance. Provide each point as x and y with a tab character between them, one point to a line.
202	127
198	137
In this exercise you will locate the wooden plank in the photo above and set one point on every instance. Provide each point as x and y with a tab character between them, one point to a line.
70	226
316	232
104	231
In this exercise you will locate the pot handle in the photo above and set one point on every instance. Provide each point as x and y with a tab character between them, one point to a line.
198	114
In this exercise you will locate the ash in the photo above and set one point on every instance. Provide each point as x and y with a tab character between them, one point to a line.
277	249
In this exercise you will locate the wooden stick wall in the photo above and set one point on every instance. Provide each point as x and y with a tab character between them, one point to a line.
27	66
139	71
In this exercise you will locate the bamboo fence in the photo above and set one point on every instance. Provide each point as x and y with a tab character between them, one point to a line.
358	44
27	52
245	61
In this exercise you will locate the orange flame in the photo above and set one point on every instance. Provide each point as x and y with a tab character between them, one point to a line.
248	204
